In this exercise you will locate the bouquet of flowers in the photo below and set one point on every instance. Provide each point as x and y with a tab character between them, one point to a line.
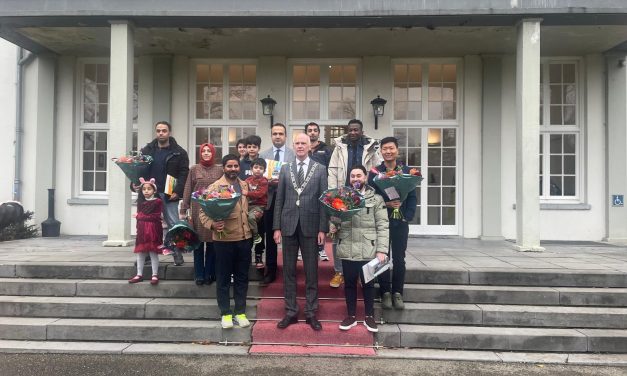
134	165
396	184
181	237
341	204
217	204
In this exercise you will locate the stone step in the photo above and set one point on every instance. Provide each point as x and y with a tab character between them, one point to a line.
502	339
112	288
527	295
59	329
114	308
91	270
517	277
507	315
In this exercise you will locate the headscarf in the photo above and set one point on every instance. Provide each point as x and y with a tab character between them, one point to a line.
211	161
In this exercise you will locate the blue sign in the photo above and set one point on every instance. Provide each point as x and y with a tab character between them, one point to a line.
618	200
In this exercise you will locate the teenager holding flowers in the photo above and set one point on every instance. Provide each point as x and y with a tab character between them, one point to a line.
201	176
392	290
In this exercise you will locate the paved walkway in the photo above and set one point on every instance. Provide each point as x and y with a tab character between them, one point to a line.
435	253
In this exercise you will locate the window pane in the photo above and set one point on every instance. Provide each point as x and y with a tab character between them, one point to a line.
555	73
435	176
414	93
413	157
435	110
569	143
569	115
448	196
435	93
217	74
88	140
335	74
435	158
569	164
448	176
250	74
350	74
88	181
101	161
570	94
569	186
335	93
448	216
400	110
101	141
414	110
556	94
313	74
556	143
556	115
434	196
449	73
556	186
236	73
202	136
202	73
448	157
569	73
435	137
88	161
401	135
556	164
435	73
298	74
433	216
414	73
448	110
101	181
400	73
449	136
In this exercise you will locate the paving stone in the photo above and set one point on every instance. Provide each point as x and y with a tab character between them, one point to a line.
62	347
185	349
547	277
593	296
433	354
554	316
545	358
35	306
389	335
37	287
76	270
606	340
7	270
24	328
437	276
598	359
433	313
193	309
480	294
493	338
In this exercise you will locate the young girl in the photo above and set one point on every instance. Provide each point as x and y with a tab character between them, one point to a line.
149	230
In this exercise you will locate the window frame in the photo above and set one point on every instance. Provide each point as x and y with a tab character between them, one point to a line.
81	126
225	123
546	130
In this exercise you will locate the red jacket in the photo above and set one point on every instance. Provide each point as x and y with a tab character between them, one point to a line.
257	191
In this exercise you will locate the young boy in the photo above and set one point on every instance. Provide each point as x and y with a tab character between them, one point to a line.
253	143
257	201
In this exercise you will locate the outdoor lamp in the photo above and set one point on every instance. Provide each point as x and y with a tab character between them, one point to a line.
378	107
267	106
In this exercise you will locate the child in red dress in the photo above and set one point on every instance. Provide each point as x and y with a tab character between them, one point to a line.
149	230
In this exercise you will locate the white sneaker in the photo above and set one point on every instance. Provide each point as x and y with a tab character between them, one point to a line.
323	255
300	256
227	321
242	321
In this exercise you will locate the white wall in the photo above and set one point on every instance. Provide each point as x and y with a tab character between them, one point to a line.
8	56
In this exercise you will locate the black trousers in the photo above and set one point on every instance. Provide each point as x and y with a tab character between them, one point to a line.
399	232
232	258
352	272
271	247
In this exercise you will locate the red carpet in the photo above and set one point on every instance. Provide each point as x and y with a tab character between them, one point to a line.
268	339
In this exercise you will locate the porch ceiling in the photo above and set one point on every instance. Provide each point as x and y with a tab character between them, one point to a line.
319	42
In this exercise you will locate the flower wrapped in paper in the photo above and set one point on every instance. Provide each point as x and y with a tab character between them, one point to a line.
134	165
181	237
397	185
217	204
341	204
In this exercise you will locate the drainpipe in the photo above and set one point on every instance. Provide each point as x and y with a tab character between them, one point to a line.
22	60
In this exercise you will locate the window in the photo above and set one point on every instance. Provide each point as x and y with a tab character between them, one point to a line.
94	125
438	86
559	131
225	105
324	92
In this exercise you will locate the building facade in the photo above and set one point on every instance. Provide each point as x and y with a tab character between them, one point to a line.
515	111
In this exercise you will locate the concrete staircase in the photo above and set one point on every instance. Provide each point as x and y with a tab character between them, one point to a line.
472	309
510	310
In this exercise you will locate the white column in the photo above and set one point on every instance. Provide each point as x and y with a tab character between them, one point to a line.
181	126
471	219
616	146
120	128
146	92
272	81
527	135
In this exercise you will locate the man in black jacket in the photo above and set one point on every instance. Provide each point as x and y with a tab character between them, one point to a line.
169	159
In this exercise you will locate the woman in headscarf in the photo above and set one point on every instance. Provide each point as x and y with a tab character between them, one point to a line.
201	176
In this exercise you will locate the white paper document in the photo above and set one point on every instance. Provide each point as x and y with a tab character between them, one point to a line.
374	268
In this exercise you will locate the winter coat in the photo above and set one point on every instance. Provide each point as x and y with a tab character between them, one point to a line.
177	163
199	177
367	232
338	168
322	154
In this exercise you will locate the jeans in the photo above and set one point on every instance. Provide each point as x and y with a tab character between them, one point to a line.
352	271
271	247
232	258
204	262
399	232
337	262
171	216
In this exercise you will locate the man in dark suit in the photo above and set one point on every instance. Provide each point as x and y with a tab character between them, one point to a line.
300	222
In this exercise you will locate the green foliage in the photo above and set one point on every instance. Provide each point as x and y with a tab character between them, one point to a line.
20	229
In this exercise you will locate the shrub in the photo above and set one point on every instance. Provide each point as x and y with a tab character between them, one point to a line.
19	229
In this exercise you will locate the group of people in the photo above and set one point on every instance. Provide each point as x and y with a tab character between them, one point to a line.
282	210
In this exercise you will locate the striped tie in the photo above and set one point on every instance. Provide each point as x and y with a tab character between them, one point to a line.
301	174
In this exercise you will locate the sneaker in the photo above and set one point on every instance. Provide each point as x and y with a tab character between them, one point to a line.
323	255
398	301
337	280
300	256
257	239
227	321
348	323
386	300
370	324
242	321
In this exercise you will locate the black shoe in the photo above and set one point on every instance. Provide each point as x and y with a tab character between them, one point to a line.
209	281
268	279
348	323
200	282
286	321
314	323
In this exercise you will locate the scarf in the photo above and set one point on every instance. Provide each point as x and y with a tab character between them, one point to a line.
210	162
